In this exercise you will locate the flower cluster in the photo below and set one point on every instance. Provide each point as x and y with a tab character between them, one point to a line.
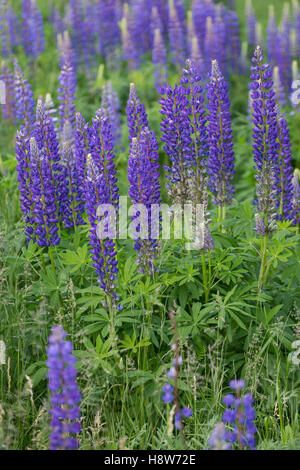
65	395
111	108
136	115
239	417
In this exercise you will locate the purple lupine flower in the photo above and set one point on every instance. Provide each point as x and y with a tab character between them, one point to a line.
176	36
284	55
200	11
13	27
101	189
140	26
130	52
242	414
233	40
143	176
22	149
159	59
82	149
221	155
82	36
137	118
102	151
209	42
110	105
272	37
66	96
103	250
296	198
198	181
4	30
43	198
24	100
65	394
109	32
32	37
284	176
264	137
251	24
260	227
197	57
9	108
176	134
220	35
71	194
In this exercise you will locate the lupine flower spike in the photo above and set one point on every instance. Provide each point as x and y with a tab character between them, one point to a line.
264	142
65	395
220	137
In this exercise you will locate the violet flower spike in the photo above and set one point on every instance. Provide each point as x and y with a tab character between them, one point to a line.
65	394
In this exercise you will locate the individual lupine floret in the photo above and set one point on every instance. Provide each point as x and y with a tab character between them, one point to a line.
136	115
296	198
251	23
111	108
159	59
176	36
104	254
44	207
24	100
272	37
220	137
264	138
66	95
143	176
65	394
9	107
176	134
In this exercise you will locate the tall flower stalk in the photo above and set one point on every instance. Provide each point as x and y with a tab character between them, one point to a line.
220	137
265	151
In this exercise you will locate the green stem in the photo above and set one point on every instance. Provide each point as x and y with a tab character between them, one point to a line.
264	246
204	271
51	259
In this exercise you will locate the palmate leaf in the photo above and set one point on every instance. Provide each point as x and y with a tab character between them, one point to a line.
77	258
